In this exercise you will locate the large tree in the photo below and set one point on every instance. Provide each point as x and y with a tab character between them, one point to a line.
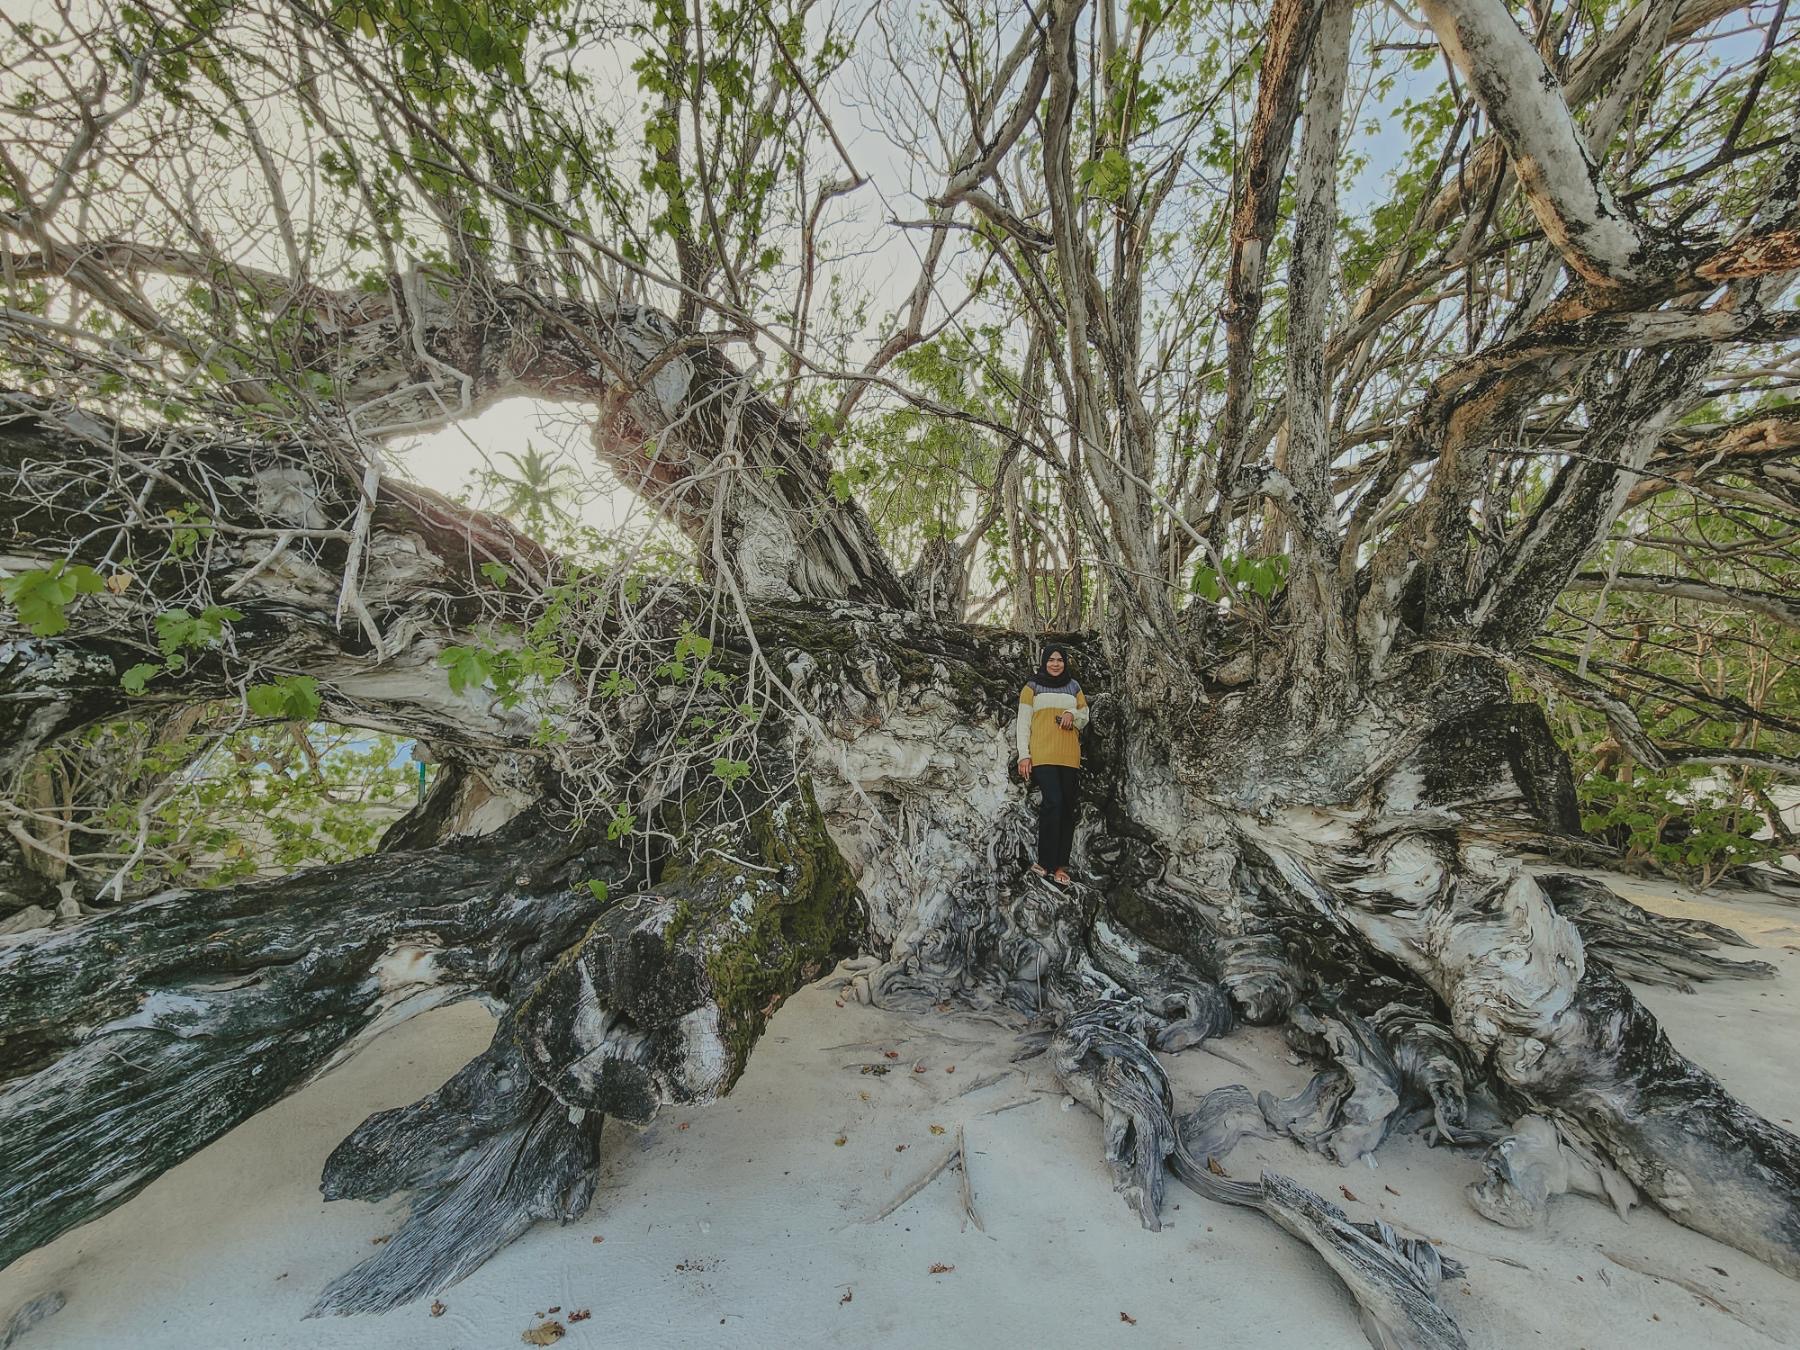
1312	469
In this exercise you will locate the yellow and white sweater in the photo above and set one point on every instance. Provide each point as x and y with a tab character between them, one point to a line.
1040	739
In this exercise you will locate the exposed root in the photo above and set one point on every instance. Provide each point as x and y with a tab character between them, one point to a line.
485	1156
1188	1010
1393	1279
1101	1057
1705	1158
1434	1066
1223	1118
1348	1110
1641	945
1535	1162
659	1002
177	1017
1559	1031
1381	1069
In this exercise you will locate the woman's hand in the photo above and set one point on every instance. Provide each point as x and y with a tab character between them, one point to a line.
1066	720
1025	768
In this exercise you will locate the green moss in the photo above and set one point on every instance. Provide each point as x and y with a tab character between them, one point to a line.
800	919
679	922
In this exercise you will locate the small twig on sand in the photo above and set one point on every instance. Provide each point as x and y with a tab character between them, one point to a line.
920	1183
968	1191
947	1040
986	1080
994	1111
1225	1055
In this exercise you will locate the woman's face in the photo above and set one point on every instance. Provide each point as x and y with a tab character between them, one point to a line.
1053	663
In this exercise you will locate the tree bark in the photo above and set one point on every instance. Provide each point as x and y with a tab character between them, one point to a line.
132	1039
1355	882
1598	236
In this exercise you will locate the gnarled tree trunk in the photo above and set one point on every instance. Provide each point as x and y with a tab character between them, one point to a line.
1353	878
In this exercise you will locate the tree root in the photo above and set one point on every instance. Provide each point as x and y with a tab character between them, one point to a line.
1102	1058
1381	1067
1562	1034
1705	1158
659	1002
485	1156
164	1024
1644	946
1083	977
1537	1161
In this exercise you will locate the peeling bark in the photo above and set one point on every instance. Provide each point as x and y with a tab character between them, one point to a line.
1257	189
1596	234
1320	655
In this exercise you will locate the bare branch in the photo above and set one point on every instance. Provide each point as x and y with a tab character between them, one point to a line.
1595	233
1772	604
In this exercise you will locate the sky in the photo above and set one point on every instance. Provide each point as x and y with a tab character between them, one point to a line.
880	263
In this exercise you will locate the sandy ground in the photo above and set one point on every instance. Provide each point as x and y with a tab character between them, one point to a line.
748	1224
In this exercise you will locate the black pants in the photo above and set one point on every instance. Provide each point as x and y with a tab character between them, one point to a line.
1061	787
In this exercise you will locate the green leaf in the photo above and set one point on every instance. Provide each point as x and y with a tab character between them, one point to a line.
468	667
1107	177
599	890
692	644
495	572
177	630
40	597
293	698
134	680
174	630
729	771
192	525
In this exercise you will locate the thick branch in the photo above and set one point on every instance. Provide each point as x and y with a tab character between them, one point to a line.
1761	446
1585	497
1320	653
676	420
1257	189
165	1024
1595	233
278	524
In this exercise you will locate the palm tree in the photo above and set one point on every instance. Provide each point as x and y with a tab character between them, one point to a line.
534	491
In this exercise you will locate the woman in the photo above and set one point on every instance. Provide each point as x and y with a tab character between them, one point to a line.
1052	712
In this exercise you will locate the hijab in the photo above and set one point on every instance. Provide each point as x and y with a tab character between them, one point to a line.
1043	682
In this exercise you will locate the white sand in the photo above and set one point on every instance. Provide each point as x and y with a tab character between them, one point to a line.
748	1227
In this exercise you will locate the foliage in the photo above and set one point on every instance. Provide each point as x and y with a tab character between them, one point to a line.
1692	825
39	596
204	800
1709	678
1262	577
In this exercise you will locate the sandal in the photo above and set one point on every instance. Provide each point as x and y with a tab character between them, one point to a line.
1037	870
1061	878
